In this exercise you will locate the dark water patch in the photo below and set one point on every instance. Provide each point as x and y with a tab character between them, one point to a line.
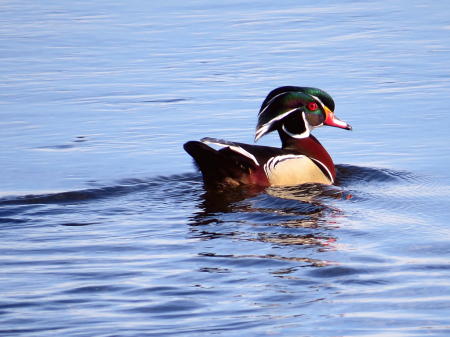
71	300
57	147
75	224
80	139
336	271
13	221
168	100
169	307
194	290
7	332
95	289
11	305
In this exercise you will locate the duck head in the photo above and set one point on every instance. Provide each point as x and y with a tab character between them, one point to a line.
295	111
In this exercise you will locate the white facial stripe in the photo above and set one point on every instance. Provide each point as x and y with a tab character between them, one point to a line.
269	103
317	98
263	129
261	132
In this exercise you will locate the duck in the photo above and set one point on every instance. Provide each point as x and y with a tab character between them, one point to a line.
294	112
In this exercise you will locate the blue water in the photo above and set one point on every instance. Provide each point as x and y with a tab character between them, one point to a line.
106	227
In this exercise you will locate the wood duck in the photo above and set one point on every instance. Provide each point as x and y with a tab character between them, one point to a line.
292	111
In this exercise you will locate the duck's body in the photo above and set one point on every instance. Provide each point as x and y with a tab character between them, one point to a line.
293	112
244	164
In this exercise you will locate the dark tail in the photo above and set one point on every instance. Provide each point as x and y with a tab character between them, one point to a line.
219	168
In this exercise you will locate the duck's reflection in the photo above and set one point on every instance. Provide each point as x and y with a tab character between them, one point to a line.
279	216
225	200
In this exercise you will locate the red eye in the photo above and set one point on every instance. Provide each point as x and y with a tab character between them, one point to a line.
312	106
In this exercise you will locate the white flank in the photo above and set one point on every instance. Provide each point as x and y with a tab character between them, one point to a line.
232	146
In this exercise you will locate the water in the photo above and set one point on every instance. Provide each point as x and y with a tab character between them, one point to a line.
106	228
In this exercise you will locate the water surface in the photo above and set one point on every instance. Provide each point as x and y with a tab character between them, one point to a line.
106	227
